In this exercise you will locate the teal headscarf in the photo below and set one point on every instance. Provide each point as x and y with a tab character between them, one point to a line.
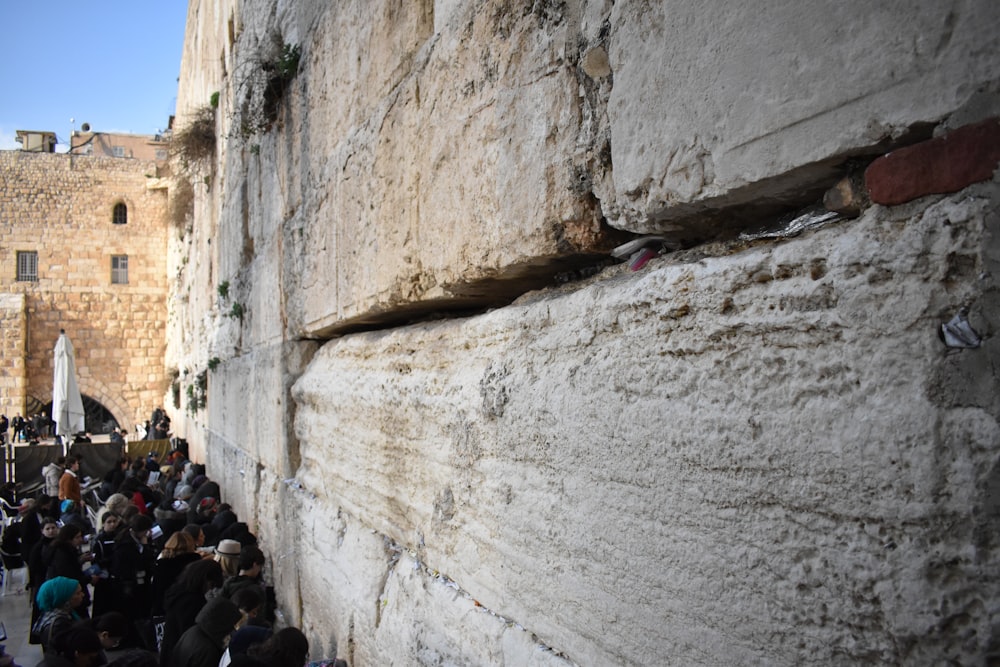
56	592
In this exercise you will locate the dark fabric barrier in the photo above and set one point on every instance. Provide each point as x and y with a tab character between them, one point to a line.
28	463
96	459
142	448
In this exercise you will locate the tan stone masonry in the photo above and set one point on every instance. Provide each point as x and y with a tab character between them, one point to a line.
61	208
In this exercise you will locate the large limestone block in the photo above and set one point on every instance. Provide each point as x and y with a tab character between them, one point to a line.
359	595
415	170
764	457
708	104
249	402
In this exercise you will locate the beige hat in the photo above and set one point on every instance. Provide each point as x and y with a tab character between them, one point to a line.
228	548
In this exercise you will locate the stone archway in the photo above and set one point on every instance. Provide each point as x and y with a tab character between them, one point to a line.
98	419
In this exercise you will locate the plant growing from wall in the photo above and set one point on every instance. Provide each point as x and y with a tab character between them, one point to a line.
213	363
262	88
223	289
197	393
175	388
195	142
213	101
237	311
181	202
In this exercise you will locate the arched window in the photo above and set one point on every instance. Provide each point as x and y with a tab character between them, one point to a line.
120	214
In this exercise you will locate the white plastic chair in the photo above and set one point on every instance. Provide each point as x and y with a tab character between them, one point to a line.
10	512
11	564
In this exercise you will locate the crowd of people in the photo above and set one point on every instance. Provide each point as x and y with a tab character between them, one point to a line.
31	429
168	576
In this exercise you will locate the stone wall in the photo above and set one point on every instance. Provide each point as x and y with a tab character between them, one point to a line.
13	335
465	435
61	207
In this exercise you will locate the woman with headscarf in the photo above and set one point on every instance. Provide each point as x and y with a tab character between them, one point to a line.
228	556
57	600
36	563
116	502
63	559
71	515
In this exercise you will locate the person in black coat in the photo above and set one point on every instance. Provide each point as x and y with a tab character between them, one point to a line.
178	553
185	599
114	478
203	644
78	647
62	558
103	549
36	563
31	524
136	484
287	647
132	570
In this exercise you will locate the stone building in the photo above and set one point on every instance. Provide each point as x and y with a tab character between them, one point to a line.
83	243
113	144
466	434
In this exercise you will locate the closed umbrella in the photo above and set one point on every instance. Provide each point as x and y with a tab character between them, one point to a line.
67	405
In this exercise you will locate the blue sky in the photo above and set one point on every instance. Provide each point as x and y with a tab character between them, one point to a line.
113	64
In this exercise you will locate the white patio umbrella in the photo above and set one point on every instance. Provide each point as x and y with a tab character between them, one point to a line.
67	405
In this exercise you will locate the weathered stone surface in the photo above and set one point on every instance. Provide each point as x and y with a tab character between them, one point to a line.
767	457
439	156
708	106
965	156
248	401
690	464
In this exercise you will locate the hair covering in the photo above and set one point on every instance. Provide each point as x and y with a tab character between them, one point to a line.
228	548
206	504
116	502
183	492
56	592
224	520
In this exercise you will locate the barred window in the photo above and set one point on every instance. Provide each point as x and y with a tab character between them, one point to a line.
120	215
27	266
119	269
118	151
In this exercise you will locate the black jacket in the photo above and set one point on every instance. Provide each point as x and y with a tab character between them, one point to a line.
203	644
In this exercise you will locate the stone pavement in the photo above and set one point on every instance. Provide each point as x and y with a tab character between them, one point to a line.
15	614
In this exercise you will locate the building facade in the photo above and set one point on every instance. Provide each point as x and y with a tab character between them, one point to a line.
110	144
83	248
